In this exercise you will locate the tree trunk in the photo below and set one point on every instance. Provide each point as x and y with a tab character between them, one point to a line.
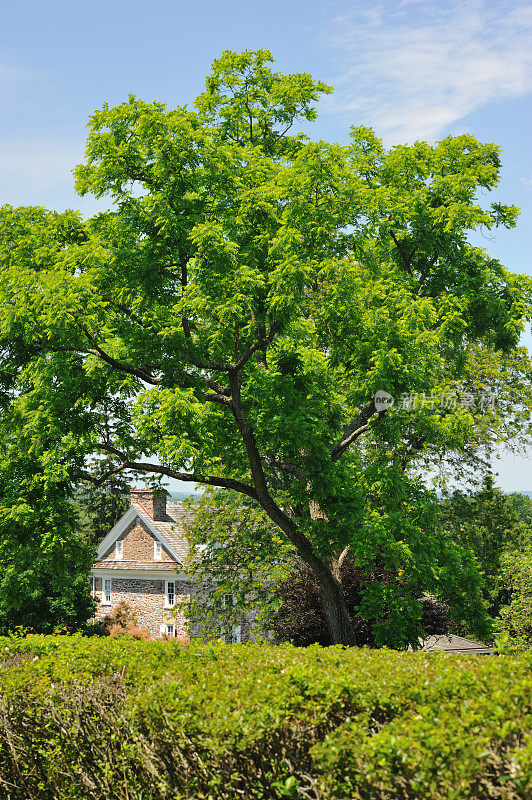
334	608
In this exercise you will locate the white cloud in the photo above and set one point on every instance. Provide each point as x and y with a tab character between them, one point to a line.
412	69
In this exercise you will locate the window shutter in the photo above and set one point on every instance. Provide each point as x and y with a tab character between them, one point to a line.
162	629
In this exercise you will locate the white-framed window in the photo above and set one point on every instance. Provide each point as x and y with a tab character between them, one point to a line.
167	629
169	594
93	586
157	551
107	586
119	550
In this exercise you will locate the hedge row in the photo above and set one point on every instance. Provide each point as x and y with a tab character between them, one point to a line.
99	719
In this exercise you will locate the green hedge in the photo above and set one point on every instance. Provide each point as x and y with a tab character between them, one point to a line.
101	719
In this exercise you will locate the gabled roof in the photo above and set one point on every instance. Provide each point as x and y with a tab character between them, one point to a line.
170	531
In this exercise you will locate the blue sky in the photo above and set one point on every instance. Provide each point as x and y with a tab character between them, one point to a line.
413	69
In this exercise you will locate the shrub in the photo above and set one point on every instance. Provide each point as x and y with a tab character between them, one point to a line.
122	621
114	718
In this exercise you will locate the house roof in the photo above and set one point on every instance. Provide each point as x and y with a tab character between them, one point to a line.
172	529
170	532
454	644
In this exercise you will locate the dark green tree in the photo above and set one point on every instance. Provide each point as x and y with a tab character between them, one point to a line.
100	505
490	524
44	557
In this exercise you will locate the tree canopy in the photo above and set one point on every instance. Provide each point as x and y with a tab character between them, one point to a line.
230	320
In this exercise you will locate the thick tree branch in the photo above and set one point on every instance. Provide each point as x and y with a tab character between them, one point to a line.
217	398
404	259
260	344
192	477
218	387
96	350
359	425
300	541
86	476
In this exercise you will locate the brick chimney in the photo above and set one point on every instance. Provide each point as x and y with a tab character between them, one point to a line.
153	500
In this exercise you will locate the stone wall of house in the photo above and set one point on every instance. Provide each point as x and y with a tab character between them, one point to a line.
138	545
146	598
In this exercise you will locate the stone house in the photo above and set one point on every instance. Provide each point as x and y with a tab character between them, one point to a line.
142	561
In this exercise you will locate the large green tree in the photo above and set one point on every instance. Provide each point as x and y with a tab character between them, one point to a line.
229	322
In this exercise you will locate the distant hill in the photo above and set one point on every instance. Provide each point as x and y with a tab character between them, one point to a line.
178	497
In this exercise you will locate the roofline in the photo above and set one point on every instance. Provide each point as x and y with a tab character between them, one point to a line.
122	524
462	650
138	574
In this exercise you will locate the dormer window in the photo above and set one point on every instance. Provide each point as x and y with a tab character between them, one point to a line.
157	551
119	551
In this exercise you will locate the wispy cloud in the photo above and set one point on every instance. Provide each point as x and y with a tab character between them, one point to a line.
413	69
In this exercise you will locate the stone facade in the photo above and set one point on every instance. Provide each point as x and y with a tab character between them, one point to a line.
146	598
138	543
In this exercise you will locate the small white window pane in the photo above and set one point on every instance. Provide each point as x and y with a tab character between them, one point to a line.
119	551
170	630
170	594
106	594
157	551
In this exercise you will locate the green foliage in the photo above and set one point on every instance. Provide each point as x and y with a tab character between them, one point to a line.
230	320
515	618
234	550
44	558
494	526
299	618
101	506
85	718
